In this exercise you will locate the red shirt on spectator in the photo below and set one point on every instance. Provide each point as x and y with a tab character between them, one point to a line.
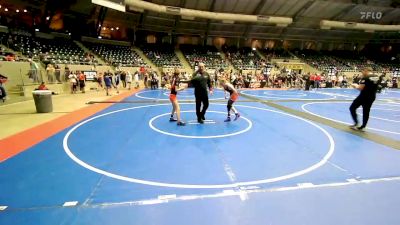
81	76
312	78
318	77
42	87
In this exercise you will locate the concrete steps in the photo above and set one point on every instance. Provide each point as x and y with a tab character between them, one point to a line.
86	50
146	60
262	56
15	90
230	66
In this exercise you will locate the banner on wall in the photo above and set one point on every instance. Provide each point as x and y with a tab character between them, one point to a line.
90	75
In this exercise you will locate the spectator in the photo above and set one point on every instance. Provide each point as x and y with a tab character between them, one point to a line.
3	93
58	73
82	81
66	73
50	73
33	73
136	78
154	81
117	79
123	78
108	82
318	79
42	87
73	80
129	79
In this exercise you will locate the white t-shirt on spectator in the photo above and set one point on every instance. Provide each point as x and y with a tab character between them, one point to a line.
129	77
72	78
136	77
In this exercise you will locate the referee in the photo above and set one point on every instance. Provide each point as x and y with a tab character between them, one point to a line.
201	82
368	87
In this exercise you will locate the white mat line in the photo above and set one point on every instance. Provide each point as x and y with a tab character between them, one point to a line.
243	192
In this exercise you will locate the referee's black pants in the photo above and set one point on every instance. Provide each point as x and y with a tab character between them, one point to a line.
366	103
200	112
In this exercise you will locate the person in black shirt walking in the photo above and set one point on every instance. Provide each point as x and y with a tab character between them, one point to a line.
200	81
368	87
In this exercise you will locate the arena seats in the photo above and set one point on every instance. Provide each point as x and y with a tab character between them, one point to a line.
57	50
244	58
344	61
275	53
116	55
208	55
163	55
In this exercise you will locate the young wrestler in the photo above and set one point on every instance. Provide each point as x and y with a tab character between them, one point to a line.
232	98
172	97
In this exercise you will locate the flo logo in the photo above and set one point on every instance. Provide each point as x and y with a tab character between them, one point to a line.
371	15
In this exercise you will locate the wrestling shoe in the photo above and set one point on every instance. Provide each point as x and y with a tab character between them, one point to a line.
362	129
172	119
237	116
353	127
228	119
180	123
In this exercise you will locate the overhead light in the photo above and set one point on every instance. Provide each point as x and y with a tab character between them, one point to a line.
117	28
17	10
104	28
99	25
36	29
112	28
25	10
0	6
6	9
254	49
100	37
69	34
48	18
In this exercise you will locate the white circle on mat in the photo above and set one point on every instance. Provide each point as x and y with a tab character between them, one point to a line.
249	126
301	172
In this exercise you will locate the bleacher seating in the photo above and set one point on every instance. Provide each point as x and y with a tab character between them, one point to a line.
244	58
57	50
276	53
116	55
209	55
344	61
162	55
